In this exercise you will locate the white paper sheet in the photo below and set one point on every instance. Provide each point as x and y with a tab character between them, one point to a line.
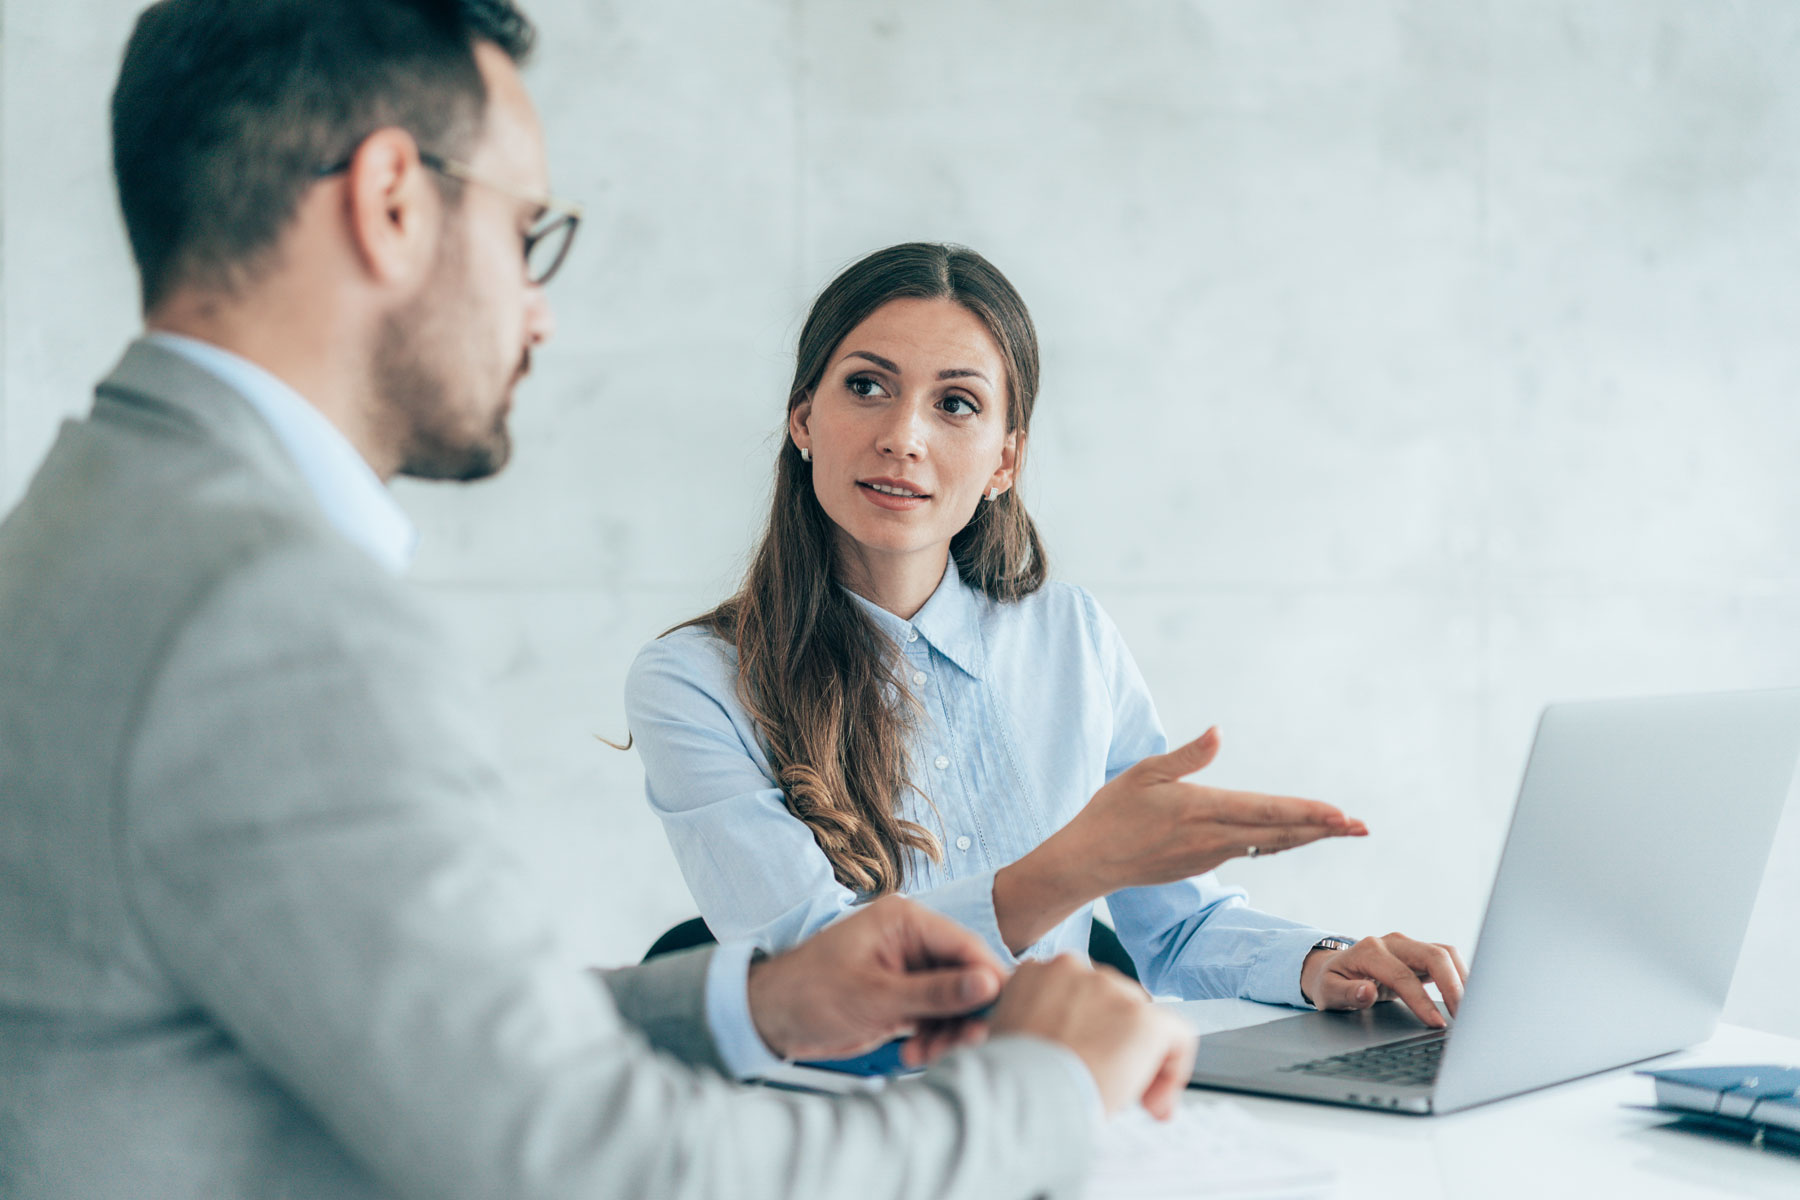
1211	1149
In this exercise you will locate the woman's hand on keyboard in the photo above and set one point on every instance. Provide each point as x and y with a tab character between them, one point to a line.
1383	968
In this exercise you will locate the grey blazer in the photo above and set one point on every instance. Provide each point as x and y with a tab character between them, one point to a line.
260	934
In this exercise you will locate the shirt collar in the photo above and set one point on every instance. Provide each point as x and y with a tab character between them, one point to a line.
950	622
349	493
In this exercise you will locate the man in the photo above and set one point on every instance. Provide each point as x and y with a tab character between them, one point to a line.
260	936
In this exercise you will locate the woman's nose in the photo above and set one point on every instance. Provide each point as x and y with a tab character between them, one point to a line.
904	436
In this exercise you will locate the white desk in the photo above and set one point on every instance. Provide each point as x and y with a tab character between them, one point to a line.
1574	1139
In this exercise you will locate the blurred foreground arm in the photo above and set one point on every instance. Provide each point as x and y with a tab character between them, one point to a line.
314	838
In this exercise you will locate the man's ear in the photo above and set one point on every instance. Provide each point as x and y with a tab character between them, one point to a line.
394	208
797	419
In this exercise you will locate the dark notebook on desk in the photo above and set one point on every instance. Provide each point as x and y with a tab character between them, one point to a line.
1637	845
1756	1102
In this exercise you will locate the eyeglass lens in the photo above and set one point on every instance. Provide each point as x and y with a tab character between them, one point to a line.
548	246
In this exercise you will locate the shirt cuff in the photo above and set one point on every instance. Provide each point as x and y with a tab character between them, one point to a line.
1274	975
741	1048
970	903
1090	1088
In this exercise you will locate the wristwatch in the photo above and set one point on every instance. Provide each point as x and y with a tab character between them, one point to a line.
1324	943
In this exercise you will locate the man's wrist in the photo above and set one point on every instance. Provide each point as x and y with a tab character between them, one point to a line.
763	992
742	1050
1078	1070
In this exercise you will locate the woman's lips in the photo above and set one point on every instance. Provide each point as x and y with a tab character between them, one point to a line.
889	499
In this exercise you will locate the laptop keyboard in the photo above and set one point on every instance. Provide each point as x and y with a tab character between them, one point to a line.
1414	1061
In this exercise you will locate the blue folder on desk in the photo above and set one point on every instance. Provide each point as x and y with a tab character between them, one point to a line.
883	1060
1761	1101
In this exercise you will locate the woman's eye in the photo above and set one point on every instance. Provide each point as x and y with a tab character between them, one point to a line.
864	385
968	406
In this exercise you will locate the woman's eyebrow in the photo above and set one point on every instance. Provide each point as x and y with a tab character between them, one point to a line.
893	369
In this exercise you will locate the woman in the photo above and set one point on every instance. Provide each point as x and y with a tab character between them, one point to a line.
898	700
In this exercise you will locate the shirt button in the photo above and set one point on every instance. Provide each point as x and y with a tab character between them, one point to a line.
962	843
912	635
919	678
940	762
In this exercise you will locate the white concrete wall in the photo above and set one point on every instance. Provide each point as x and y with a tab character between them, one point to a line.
1407	365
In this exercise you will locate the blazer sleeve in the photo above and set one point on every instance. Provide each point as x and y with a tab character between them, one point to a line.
665	1000
311	834
1194	938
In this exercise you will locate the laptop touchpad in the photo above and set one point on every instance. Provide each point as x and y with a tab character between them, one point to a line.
1320	1034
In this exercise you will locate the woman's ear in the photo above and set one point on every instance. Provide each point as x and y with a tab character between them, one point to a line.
1011	452
797	418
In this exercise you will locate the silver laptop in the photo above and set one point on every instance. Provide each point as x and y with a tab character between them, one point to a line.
1637	845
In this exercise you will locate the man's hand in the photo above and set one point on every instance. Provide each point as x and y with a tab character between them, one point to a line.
893	969
1136	1052
1381	969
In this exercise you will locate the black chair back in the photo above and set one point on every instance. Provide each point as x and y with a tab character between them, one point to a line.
1103	944
684	936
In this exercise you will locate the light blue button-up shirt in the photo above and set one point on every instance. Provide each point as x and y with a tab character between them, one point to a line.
360	507
1030	706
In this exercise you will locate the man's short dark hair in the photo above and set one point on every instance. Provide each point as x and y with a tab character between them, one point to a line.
226	111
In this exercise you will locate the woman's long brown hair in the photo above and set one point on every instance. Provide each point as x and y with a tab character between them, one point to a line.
820	679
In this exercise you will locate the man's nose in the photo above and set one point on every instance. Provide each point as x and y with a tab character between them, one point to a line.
540	321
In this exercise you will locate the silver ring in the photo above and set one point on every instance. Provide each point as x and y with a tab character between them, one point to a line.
1253	851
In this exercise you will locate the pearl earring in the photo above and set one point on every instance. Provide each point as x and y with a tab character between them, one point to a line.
805	454
993	494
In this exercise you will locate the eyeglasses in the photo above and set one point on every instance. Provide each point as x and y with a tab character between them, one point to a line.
548	240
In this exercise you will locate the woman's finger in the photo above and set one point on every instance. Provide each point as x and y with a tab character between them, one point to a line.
1258	808
1462	972
1270	839
1183	760
1343	992
1429	961
1380	963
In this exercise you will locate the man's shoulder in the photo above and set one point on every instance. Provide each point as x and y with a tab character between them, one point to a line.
124	533
136	477
104	492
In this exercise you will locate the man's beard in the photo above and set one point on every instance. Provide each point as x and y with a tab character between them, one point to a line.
416	359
